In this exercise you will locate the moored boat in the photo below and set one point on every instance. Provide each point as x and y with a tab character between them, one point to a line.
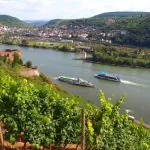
107	76
75	81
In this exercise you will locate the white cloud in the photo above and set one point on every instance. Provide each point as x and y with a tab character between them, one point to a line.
50	9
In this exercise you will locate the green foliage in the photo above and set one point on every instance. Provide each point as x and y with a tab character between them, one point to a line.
28	64
58	46
120	56
76	22
137	28
4	58
12	22
24	42
135	24
114	131
45	116
121	14
42	114
17	59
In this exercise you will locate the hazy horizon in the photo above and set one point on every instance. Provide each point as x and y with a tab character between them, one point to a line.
67	9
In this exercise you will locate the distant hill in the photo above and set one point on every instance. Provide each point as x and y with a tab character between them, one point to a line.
135	26
122	14
12	21
76	22
98	20
36	22
54	22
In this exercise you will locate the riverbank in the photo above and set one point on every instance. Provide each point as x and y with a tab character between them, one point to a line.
35	102
59	119
39	79
90	60
105	54
65	47
121	56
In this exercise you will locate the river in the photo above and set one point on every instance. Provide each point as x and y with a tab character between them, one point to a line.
135	82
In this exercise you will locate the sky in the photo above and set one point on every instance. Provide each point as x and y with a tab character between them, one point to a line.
67	9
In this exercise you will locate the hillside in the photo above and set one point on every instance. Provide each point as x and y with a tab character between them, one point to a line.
12	21
122	14
76	22
44	115
54	22
98	20
138	31
135	25
36	111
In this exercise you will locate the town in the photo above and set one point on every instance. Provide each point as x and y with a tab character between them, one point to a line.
74	75
63	33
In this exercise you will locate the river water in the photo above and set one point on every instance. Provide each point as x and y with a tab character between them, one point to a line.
135	83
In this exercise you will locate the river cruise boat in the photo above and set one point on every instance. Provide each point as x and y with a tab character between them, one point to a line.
75	81
107	76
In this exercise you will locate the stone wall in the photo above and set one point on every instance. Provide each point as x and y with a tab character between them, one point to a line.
29	72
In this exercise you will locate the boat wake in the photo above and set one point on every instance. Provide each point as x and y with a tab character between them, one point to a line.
54	78
132	83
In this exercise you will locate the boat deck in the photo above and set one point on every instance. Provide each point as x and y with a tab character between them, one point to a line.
75	81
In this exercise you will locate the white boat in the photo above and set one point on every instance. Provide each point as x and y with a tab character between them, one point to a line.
75	81
107	76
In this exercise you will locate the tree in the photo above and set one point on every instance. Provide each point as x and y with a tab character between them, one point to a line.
24	42
28	64
4	58
16	60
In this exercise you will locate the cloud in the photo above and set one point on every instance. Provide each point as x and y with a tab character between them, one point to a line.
51	9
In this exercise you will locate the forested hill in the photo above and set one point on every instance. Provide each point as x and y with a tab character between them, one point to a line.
122	14
138	31
55	22
12	21
98	20
76	22
134	24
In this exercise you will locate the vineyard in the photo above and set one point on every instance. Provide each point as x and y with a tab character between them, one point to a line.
46	116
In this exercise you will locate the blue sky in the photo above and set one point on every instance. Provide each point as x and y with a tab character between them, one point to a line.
52	9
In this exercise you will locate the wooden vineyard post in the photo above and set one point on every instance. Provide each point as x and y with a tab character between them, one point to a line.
82	129
1	139
50	147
